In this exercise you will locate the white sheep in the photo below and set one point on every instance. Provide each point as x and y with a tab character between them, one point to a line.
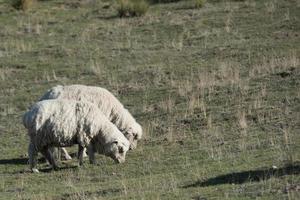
109	105
61	123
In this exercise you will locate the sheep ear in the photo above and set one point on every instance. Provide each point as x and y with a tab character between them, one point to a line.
130	131
121	150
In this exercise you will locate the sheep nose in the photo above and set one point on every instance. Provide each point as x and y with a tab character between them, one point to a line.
120	160
132	146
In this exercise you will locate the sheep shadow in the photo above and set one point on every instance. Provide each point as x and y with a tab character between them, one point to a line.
110	17
19	161
248	176
24	161
60	168
45	170
14	161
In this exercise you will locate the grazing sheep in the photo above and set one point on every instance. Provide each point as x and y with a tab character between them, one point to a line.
110	106
61	123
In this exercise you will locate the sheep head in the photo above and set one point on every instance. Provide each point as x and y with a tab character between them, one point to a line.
133	134
117	150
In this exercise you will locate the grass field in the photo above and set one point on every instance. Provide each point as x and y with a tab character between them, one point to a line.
215	88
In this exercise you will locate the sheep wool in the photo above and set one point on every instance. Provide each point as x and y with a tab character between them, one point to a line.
107	103
61	123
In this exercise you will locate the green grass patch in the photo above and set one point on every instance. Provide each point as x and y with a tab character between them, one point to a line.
132	8
215	89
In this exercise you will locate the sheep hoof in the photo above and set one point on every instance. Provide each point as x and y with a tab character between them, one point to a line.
68	157
35	170
93	162
55	168
84	154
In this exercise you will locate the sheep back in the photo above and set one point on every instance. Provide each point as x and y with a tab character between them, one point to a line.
63	123
109	105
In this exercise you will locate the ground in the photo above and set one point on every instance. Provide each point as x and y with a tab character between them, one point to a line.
215	88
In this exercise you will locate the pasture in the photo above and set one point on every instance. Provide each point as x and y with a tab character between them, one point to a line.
216	89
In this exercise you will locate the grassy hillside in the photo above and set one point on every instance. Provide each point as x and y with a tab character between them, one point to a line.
216	90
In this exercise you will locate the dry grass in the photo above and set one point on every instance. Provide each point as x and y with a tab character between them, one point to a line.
184	87
271	6
193	102
199	3
215	91
24	4
275	64
250	3
242	121
96	68
229	73
132	8
228	22
4	74
168	105
206	81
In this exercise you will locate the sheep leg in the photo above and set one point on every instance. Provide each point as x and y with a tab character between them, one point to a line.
48	155
84	153
91	153
55	152
80	154
32	152
52	160
65	154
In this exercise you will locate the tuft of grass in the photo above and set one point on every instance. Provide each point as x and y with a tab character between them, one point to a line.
132	8
241	115
23	4
216	93
163	1
199	3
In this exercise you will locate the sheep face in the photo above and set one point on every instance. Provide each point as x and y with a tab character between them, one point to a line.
133	134
117	151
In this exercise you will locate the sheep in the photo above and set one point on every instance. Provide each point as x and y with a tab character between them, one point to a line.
110	106
61	123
